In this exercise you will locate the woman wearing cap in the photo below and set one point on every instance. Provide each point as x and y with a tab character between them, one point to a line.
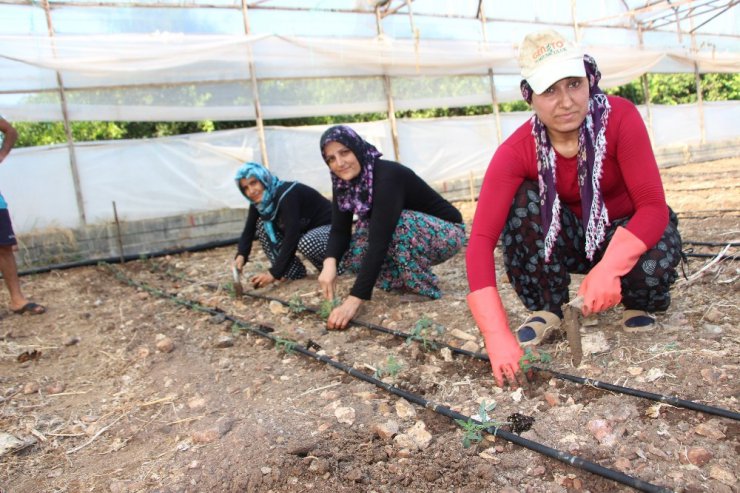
286	217
403	226
575	189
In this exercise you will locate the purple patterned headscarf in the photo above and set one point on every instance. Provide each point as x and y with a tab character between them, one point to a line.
591	150
355	195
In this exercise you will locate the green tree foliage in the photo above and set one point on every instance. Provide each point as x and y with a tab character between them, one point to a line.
664	89
673	89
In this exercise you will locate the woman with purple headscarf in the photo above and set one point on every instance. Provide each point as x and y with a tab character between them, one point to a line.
575	189
403	226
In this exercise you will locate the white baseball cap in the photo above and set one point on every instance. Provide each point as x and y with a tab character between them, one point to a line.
546	56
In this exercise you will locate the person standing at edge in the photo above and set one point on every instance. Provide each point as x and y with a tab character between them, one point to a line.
575	189
8	267
404	227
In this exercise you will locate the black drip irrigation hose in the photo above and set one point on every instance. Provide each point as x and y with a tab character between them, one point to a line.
711	243
711	255
127	258
553	453
369	325
674	401
227	242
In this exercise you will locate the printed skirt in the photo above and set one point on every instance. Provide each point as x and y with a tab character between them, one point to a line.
419	242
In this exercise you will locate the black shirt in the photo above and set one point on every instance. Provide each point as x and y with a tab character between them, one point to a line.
300	211
395	188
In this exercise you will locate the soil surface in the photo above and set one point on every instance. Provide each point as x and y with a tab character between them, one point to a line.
124	387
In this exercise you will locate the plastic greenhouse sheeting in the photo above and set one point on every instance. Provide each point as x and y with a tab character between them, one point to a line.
186	77
163	60
192	173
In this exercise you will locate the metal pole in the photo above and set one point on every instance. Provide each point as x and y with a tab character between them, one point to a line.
118	233
67	126
697	80
389	94
646	93
255	91
491	81
392	115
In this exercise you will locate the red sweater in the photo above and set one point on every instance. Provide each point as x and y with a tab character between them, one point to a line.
630	186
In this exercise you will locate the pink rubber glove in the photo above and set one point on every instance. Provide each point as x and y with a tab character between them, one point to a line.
502	347
601	288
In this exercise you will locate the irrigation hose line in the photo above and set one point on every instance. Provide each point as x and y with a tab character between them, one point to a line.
674	401
222	243
553	453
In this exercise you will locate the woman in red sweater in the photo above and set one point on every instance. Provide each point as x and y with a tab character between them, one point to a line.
575	189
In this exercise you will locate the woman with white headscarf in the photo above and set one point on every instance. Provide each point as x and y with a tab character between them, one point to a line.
575	189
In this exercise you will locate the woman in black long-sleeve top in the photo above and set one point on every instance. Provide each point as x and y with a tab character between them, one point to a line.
286	217
403	226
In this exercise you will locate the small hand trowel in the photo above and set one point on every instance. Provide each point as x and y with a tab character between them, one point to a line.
573	329
238	290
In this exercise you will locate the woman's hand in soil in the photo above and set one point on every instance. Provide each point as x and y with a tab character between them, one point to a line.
502	347
328	278
340	317
262	280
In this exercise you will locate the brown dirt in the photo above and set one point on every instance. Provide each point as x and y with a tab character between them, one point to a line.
103	405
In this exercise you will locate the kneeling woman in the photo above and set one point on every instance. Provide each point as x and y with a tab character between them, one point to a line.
575	189
403	226
286	217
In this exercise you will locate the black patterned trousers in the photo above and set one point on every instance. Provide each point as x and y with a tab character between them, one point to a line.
312	245
544	286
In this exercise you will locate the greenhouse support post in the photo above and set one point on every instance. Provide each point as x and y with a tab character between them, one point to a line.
255	91
699	96
392	116
67	125
491	80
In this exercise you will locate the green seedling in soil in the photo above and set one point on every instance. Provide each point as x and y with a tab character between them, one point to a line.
473	431
295	304
285	345
327	306
229	288
531	358
421	332
484	410
391	368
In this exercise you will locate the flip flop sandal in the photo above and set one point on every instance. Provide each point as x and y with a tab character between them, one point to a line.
30	308
536	328
637	321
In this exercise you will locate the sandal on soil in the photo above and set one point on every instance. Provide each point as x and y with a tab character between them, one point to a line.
637	321
30	308
536	328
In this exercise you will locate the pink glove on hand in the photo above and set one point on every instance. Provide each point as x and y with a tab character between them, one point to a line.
601	288
502	347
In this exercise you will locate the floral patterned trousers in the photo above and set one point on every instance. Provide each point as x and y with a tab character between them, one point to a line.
419	242
544	286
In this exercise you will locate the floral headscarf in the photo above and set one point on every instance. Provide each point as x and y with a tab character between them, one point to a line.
275	190
355	195
591	150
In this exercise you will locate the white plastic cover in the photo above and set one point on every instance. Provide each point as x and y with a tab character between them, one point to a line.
177	175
